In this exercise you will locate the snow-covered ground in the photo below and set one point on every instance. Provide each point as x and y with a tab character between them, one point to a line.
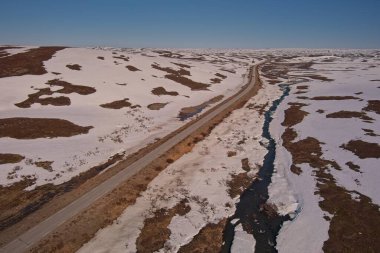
123	130
352	74
200	177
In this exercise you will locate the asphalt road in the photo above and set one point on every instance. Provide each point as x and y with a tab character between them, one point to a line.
29	238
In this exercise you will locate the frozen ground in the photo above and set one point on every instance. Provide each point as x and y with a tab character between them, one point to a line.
351	74
112	72
202	177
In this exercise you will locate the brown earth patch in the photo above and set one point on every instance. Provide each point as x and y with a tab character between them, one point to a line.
302	87
355	225
155	232
188	112
294	115
301	65
168	54
156	106
121	57
260	108
178	76
182	65
353	166
81	228
238	183
274	72
229	71
30	62
45	165
161	91
3	51
363	149
334	98
305	151
181	72
349	114
10	158
187	82
370	132
74	66
118	104
373	106
221	76
269	209
132	68
33	128
245	164
320	111
34	98
215	80
100	57
231	153
208	240
295	169
56	73
67	88
18	203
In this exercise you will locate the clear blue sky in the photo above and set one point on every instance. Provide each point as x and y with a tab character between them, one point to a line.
192	23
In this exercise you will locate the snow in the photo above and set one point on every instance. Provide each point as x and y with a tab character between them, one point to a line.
123	130
17	50
243	242
200	177
294	194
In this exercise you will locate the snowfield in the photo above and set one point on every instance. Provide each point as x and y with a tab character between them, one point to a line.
326	178
351	75
115	131
201	177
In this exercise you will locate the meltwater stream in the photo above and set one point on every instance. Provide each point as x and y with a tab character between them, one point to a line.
249	211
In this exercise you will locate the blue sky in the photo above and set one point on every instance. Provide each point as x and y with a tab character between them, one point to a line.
192	23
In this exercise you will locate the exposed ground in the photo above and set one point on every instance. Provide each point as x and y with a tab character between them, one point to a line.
27	63
33	128
45	174
333	159
326	130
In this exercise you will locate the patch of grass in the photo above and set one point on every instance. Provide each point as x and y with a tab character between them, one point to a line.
74	66
363	149
155	231
118	104
209	239
33	128
132	68
10	158
349	114
373	106
294	115
27	63
161	91
156	106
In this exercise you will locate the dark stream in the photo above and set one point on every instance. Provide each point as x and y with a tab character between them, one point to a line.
255	217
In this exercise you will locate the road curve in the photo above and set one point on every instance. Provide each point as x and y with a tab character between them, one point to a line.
29	238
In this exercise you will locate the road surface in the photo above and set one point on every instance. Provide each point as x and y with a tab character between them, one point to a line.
29	238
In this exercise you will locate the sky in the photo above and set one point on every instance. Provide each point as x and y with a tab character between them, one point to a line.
192	23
